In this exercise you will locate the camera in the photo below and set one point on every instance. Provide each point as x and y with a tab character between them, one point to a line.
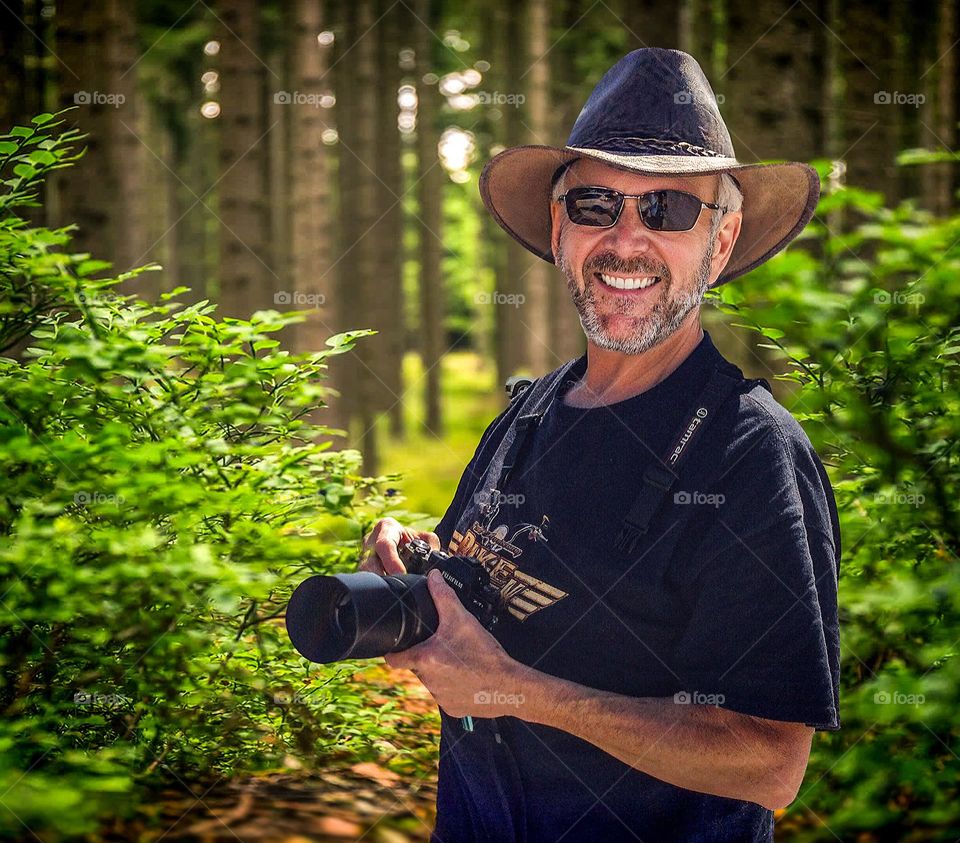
365	615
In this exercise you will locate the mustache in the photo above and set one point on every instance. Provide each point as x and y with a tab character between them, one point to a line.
613	263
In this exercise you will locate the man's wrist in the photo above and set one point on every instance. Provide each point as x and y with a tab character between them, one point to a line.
542	697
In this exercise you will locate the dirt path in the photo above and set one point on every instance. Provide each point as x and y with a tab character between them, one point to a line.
360	801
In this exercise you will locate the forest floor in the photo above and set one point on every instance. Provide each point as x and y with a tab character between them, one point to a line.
345	801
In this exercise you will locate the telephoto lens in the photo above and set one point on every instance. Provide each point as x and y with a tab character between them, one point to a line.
365	615
359	616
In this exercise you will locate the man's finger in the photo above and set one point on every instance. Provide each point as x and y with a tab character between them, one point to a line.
444	597
372	565
386	548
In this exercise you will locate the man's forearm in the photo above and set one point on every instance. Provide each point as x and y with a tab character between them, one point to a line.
702	748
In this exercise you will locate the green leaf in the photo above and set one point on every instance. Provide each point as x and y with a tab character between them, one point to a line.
40	156
25	171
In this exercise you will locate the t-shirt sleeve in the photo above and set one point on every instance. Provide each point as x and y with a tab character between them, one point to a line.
763	633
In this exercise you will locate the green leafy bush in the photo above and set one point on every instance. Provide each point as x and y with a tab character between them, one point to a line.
869	330
164	490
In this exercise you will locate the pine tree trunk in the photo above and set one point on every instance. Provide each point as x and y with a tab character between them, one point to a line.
945	71
567	338
511	332
651	24
772	74
246	277
870	123
389	238
359	200
103	193
430	185
541	356
312	267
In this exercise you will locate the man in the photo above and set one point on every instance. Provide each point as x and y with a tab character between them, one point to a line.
664	538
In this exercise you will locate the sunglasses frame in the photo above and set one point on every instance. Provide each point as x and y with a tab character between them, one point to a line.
638	196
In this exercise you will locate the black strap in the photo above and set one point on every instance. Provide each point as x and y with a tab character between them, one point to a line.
660	475
538	396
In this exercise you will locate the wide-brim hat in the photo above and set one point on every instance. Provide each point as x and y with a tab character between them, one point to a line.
654	113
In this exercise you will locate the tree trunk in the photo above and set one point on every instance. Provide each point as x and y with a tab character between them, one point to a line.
359	204
944	72
566	333
431	181
103	193
773	70
652	24
246	276
869	120
388	303
511	331
541	356
310	172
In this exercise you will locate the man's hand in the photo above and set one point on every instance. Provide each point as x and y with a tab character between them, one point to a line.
462	664
382	543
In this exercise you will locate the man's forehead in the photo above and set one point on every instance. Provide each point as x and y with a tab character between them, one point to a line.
586	171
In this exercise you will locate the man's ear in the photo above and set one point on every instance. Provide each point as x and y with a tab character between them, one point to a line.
556	219
727	236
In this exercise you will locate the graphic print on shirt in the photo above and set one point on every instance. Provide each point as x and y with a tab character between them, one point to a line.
497	549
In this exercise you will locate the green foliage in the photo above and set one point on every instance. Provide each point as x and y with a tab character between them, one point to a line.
867	324
166	486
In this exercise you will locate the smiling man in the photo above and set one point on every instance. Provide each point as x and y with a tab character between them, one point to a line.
663	538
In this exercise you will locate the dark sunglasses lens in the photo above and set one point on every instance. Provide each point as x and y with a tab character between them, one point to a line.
669	210
587	206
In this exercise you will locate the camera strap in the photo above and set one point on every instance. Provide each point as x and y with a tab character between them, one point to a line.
660	475
538	394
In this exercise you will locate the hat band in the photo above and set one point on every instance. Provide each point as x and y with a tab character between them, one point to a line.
656	146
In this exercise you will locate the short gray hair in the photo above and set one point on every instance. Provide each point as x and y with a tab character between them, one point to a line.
729	197
728	193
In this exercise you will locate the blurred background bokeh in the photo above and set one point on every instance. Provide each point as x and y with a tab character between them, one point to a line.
325	155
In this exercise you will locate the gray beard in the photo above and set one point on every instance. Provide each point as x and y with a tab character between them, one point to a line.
665	317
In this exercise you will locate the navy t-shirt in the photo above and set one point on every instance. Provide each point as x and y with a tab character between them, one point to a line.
730	598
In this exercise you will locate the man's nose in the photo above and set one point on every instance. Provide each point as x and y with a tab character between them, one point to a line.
629	235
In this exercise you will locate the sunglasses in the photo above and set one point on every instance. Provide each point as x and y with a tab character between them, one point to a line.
660	210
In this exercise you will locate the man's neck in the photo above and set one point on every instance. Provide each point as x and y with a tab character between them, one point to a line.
613	376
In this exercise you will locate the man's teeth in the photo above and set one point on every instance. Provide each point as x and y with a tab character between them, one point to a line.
629	283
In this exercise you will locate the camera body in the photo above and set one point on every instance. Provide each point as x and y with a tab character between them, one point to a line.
465	575
365	615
